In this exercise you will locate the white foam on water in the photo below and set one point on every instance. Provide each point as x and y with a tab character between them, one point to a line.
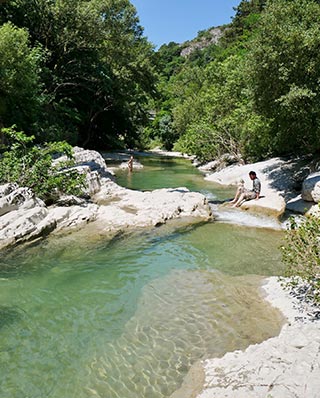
209	195
240	217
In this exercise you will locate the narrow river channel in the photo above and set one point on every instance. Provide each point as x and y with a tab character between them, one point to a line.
82	317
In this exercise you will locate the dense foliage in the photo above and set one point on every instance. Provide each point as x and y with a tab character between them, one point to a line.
255	92
88	66
32	166
85	73
301	255
20	86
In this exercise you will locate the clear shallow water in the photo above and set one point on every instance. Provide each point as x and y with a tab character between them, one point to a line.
166	172
84	317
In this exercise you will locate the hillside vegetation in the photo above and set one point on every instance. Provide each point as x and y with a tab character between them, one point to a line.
254	93
82	71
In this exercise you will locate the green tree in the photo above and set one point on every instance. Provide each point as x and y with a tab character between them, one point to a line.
214	118
284	73
98	75
244	22
168	59
20	85
130	56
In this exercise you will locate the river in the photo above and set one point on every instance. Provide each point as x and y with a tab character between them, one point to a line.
83	316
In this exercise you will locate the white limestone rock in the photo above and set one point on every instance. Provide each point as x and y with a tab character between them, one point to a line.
123	208
273	184
24	217
16	198
311	188
6	189
72	217
90	158
286	366
92	179
23	225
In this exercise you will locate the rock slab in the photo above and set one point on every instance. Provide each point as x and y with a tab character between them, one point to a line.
286	366
273	182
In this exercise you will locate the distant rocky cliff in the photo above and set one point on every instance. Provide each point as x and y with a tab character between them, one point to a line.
203	40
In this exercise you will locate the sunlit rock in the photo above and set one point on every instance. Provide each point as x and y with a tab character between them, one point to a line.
273	184
123	208
311	188
23	225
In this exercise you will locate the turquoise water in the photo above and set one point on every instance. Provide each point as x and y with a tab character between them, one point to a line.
83	316
167	172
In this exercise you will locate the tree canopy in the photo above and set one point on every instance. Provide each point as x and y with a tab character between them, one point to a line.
96	74
256	92
85	73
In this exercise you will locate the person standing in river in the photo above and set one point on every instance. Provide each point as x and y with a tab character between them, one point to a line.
130	163
247	194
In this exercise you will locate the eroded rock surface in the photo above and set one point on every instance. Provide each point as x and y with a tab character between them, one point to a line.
286	366
273	183
122	208
24	217
291	184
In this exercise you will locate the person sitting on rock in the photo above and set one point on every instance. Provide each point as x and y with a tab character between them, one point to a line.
247	194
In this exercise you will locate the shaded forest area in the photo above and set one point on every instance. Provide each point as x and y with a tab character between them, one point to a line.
82	71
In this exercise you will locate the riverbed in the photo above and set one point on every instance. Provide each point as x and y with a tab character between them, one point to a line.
85	316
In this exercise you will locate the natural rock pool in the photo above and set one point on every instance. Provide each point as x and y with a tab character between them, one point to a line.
85	316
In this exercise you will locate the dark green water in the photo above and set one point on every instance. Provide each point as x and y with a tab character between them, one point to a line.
85	317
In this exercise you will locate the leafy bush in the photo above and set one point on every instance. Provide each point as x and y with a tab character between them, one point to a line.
199	140
31	166
301	254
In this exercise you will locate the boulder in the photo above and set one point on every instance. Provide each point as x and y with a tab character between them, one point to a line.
7	188
300	206
311	188
271	204
92	179
220	163
85	157
23	225
72	217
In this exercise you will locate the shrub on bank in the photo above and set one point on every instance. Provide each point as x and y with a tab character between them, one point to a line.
31	166
301	255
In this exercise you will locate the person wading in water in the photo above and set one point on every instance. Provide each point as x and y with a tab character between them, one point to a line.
130	163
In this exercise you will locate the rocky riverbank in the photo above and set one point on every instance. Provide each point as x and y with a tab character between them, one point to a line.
23	217
282	367
286	366
287	184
